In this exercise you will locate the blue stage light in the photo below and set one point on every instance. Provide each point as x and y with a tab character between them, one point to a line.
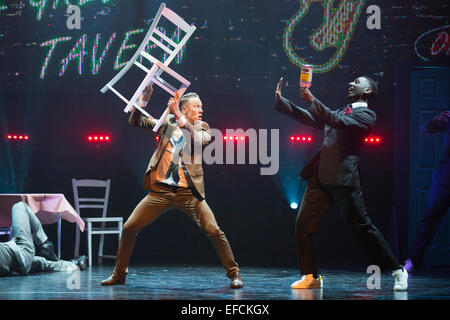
294	205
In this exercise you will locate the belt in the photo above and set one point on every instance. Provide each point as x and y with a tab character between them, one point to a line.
171	188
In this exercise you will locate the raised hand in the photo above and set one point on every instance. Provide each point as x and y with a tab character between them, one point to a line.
174	104
306	95
147	93
278	90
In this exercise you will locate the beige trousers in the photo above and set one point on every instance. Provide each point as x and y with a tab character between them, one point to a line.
154	204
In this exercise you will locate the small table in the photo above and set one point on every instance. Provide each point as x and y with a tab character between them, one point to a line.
48	207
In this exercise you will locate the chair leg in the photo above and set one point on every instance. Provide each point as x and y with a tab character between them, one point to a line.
120	229
76	252
59	235
89	235
100	248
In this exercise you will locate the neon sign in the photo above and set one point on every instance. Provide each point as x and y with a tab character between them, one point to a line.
40	5
336	31
432	43
79	51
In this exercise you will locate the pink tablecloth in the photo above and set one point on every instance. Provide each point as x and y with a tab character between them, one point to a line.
45	206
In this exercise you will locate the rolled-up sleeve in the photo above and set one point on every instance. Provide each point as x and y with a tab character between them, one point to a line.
137	120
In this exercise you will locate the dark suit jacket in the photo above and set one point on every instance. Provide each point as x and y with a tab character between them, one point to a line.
337	161
195	170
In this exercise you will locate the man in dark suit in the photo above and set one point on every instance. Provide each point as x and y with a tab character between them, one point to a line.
174	177
333	177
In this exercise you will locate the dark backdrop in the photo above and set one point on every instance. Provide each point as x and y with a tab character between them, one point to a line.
234	61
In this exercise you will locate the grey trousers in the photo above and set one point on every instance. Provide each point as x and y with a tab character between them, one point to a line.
18	254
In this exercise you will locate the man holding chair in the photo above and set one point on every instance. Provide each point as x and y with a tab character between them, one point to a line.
174	180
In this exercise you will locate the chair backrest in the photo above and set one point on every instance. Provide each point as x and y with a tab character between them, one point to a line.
91	202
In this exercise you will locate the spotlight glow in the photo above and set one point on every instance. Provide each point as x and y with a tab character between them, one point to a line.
294	205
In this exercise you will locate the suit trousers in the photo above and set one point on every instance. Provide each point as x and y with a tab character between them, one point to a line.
437	205
159	200
316	200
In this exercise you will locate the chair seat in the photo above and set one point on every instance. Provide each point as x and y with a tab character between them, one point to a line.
105	230
107	256
108	219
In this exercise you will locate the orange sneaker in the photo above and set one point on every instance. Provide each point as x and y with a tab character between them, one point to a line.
308	282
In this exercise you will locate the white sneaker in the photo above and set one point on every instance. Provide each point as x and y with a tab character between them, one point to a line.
400	279
308	282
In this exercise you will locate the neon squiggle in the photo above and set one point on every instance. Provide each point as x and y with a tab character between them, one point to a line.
336	31
423	35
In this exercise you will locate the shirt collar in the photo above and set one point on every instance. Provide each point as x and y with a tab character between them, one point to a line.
359	104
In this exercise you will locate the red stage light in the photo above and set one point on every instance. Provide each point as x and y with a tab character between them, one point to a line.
17	137
301	138
373	140
236	138
98	138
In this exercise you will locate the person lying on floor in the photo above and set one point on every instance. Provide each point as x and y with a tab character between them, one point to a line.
30	250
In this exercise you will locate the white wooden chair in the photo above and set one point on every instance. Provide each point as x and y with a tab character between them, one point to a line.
97	203
158	67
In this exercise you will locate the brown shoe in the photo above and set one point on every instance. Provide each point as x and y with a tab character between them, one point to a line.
236	281
117	277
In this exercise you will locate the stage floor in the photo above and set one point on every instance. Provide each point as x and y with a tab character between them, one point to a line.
210	283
